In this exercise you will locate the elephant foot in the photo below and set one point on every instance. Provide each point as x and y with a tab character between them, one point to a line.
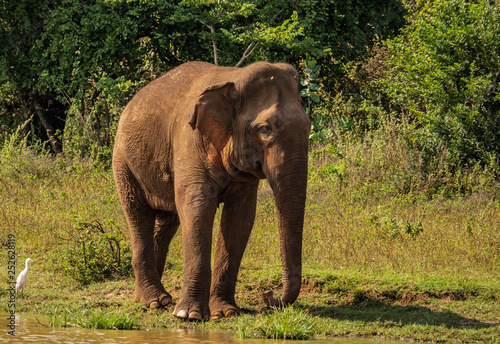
164	302
227	314
223	309
159	299
191	311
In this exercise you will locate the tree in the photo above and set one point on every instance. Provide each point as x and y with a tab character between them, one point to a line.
22	23
445	74
76	64
236	28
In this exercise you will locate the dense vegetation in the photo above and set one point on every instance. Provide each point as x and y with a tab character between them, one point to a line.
76	64
402	234
434	66
441	75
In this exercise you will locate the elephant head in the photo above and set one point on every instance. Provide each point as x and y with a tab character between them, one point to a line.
256	123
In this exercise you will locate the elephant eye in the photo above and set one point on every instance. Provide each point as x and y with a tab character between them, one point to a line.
265	133
265	129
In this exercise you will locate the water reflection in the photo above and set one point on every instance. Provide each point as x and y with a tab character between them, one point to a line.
29	331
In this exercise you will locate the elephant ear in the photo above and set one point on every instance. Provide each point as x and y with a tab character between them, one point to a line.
214	112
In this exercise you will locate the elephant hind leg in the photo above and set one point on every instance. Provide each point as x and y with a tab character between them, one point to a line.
141	221
166	225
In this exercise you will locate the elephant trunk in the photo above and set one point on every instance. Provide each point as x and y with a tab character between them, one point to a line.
289	183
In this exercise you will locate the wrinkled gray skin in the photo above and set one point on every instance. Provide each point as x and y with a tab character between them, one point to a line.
202	135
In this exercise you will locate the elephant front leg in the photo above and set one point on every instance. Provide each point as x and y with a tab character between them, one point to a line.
236	224
196	212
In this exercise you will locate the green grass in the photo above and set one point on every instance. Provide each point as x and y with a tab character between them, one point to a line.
102	319
93	318
390	250
288	323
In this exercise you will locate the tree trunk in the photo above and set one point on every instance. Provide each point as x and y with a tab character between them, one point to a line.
49	127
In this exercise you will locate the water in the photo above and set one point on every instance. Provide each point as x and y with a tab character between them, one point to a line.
28	330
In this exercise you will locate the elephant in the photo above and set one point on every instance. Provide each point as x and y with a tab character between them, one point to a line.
200	136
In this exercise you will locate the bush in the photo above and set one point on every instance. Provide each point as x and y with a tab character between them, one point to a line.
22	157
444	76
382	163
93	253
439	78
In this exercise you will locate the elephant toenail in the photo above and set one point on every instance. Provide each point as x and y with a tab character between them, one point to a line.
194	315
154	304
181	314
217	315
165	301
231	313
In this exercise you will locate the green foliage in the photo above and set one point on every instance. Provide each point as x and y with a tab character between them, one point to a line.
22	158
439	77
396	228
340	31
361	95
93	253
310	84
324	125
230	31
446	69
383	163
82	61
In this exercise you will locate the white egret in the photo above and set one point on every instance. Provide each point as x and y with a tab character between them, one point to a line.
23	277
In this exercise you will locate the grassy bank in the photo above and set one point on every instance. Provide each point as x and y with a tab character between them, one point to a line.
391	249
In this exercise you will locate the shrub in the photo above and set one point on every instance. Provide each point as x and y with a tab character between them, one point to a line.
444	75
93	253
382	163
22	157
440	76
